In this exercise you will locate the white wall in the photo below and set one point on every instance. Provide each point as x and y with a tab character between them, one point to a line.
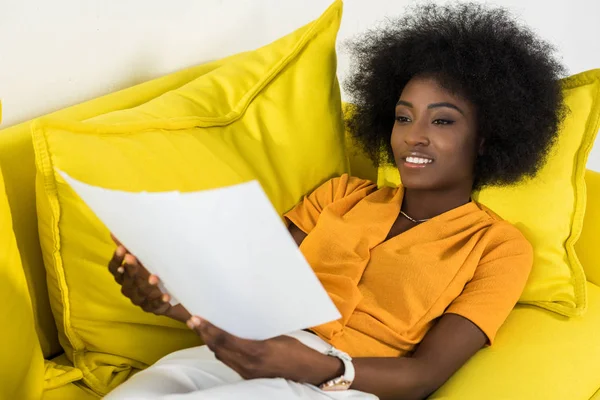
55	53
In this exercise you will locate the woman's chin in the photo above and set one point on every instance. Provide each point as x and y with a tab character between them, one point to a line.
411	180
417	185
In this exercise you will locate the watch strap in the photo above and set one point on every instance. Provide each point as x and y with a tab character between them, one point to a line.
344	381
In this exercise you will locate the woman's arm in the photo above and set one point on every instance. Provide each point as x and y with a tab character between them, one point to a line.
445	348
449	344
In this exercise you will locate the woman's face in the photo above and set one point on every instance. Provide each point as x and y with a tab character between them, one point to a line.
434	139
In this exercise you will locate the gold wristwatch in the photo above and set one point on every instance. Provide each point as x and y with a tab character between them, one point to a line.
341	382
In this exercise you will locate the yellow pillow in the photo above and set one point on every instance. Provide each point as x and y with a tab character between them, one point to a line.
549	209
587	245
273	114
18	161
21	359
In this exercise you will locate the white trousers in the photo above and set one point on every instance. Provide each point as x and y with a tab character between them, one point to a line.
195	374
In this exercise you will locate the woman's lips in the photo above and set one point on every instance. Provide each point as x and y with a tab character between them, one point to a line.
416	165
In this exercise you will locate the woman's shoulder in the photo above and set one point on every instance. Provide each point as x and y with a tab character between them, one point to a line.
503	232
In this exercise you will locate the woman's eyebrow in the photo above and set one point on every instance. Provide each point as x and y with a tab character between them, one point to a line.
444	104
432	105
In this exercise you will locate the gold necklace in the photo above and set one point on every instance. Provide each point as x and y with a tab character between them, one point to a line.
411	219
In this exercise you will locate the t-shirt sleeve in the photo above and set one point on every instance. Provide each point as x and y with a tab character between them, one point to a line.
497	284
306	213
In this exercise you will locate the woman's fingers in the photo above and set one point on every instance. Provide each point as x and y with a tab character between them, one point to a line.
137	284
145	287
153	302
115	265
116	260
131	265
156	301
131	281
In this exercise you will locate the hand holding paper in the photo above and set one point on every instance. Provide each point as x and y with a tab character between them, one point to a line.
223	253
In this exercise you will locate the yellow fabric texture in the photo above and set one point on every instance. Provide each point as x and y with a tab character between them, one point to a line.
72	391
18	166
63	381
537	355
57	375
549	209
386	309
273	114
587	245
21	360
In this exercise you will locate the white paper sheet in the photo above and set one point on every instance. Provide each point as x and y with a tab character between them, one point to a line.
224	254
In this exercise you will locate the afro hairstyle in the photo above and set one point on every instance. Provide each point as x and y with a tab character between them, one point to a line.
482	54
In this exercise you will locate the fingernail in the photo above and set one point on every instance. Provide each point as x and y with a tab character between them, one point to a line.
153	279
121	270
129	259
120	251
166	298
190	324
196	321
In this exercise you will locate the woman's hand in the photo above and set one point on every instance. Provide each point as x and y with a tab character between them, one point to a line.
141	287
280	357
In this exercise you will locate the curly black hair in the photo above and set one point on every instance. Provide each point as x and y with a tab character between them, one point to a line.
483	54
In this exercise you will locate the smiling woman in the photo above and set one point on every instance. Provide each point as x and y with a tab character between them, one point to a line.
457	97
432	127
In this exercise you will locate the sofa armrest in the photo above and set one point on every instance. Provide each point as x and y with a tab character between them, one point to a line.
588	245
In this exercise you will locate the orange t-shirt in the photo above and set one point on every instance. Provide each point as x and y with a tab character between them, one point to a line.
466	261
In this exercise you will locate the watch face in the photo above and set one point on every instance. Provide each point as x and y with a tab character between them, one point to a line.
337	384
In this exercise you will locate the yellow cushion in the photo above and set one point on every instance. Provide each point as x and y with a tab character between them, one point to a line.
361	165
18	166
71	391
587	245
58	375
17	161
272	114
549	209
536	355
21	360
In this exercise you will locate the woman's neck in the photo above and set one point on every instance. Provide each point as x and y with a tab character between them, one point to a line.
425	204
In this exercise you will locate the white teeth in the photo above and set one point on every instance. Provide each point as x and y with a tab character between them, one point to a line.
418	160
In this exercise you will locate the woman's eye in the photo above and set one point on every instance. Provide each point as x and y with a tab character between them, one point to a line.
402	119
443	122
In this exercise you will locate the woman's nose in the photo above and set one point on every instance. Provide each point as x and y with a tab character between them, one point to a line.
416	135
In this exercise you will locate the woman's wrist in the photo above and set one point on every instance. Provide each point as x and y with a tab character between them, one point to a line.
323	369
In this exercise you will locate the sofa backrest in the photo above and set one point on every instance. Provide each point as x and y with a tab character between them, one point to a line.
588	245
18	166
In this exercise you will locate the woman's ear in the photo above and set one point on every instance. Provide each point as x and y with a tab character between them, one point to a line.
481	146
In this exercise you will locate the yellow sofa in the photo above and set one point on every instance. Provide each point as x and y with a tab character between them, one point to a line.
537	355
